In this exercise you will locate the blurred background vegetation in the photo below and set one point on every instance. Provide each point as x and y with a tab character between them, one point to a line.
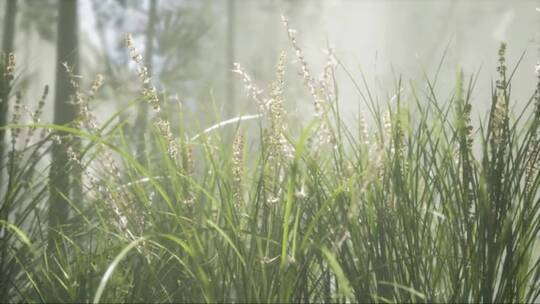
191	44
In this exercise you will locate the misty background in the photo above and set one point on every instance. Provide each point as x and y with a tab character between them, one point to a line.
195	42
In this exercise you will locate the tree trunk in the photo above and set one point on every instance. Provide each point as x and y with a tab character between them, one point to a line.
9	26
7	47
142	115
230	54
5	88
65	111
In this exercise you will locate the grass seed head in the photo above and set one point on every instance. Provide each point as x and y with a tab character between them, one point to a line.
165	129
16	118
251	89
10	67
237	168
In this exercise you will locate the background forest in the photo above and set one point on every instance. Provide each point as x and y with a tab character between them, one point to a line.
269	151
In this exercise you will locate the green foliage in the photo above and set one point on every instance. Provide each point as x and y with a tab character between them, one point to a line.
425	206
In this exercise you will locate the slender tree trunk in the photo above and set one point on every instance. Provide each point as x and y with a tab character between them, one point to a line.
150	33
5	87
9	26
230	54
64	113
8	39
142	115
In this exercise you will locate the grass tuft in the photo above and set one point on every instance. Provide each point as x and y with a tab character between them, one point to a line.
423	205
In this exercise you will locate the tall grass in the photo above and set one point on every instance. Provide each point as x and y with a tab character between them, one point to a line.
425	205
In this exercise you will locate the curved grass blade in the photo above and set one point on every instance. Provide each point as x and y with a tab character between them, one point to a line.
112	267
